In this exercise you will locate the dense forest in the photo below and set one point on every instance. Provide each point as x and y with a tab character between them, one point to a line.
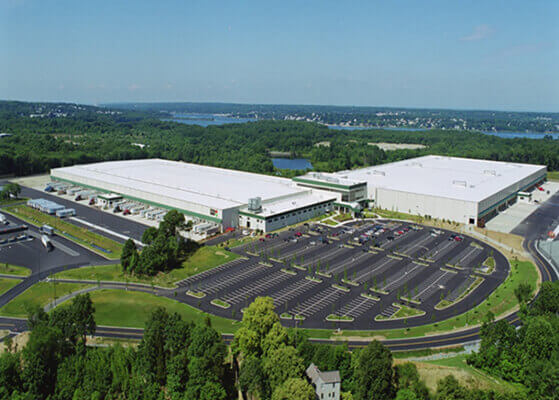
38	144
179	360
369	116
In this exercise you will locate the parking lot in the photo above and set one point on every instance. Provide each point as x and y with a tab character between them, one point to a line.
324	277
23	247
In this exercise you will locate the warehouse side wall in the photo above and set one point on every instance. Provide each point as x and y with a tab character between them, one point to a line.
424	205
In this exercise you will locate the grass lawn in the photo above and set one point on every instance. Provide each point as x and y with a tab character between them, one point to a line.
392	215
77	234
40	294
343	217
329	222
205	258
132	309
501	301
10	269
7	202
6	284
432	371
553	175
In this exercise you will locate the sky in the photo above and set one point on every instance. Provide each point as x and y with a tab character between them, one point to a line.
490	54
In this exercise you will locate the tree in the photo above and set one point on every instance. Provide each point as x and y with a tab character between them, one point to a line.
294	388
274	339
41	357
149	235
373	374
282	364
258	319
449	389
523	292
128	255
252	379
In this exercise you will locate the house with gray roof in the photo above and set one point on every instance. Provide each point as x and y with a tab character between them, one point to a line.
326	384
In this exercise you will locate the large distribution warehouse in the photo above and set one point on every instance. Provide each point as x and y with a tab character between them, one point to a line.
457	189
227	197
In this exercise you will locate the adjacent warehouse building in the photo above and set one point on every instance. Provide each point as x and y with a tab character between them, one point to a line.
226	197
457	189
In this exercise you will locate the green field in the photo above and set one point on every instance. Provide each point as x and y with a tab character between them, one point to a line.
553	175
132	309
77	234
40	294
501	301
204	258
9	269
391	215
6	284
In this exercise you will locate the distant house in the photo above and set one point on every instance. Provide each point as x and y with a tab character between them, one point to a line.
326	384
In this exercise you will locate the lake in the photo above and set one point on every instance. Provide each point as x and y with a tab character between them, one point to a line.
505	135
291	163
207	119
220	119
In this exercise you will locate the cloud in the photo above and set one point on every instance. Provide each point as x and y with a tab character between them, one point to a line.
480	32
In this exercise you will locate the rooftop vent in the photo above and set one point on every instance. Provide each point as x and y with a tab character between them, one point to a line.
255	204
460	183
416	164
377	172
490	172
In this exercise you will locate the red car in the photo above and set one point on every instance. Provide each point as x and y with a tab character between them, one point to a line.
126	212
262	239
540	188
298	234
268	235
458	238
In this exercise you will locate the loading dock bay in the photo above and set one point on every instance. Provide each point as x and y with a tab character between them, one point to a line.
312	274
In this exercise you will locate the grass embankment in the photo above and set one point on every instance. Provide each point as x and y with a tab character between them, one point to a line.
206	257
433	371
8	202
40	294
6	284
9	269
553	175
82	236
500	302
133	309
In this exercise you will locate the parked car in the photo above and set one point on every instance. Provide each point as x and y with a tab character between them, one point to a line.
262	239
298	234
126	212
390	238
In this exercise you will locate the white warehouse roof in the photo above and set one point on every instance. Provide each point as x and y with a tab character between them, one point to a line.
214	187
441	176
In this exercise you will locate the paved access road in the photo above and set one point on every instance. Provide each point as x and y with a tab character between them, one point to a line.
114	222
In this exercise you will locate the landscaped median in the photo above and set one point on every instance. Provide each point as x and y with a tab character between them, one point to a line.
403	312
99	244
501	302
206	257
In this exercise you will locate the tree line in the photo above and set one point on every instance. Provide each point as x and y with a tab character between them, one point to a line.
39	144
180	360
